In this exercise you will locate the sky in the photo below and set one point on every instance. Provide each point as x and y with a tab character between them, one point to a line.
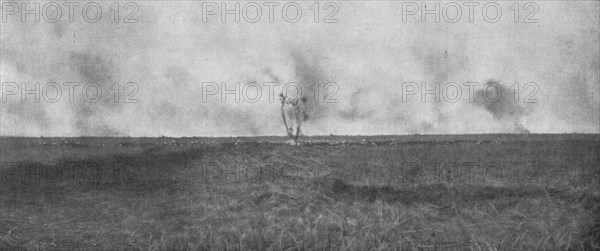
365	68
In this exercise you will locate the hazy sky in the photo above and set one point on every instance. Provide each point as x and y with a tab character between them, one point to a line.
547	71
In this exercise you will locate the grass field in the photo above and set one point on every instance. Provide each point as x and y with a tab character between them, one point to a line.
474	192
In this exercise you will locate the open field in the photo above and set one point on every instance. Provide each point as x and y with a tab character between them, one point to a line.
473	192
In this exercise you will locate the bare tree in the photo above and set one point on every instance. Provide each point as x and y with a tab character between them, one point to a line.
293	112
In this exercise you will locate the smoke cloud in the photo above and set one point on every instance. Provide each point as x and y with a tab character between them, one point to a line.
503	108
368	56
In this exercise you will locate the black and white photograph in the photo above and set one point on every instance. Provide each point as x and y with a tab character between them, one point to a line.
297	125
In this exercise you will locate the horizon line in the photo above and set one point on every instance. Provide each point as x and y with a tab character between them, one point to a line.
307	136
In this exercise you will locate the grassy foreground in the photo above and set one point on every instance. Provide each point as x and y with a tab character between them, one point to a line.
369	193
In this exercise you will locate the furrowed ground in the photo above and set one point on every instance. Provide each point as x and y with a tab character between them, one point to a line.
476	192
